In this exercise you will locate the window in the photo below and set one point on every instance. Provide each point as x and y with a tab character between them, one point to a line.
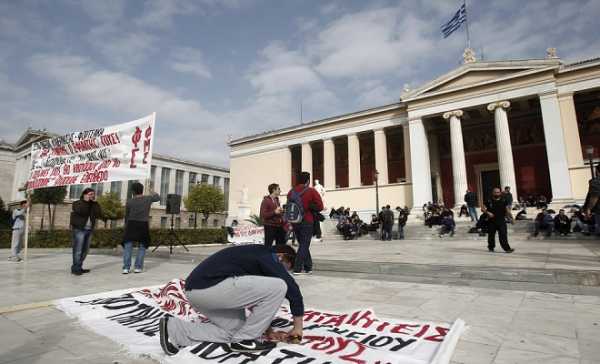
115	187
192	180
216	181
216	222
163	222
179	182
204	179
165	175
99	188
204	222
226	192
129	191
152	178
191	221
75	192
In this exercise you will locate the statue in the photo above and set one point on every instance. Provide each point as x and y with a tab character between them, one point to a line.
469	56
321	190
551	53
244	199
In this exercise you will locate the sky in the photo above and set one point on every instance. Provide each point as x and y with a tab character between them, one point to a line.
214	70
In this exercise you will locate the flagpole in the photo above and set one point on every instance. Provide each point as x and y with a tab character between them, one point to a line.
467	24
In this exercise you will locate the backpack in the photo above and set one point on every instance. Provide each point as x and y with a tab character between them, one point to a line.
294	210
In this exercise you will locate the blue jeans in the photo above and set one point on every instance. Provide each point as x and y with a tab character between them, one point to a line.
139	258
472	213
400	232
304	233
81	246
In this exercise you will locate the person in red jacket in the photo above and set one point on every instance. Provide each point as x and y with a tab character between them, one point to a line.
271	216
311	203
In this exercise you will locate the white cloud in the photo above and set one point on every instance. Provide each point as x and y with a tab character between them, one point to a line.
183	125
189	60
160	14
125	49
103	10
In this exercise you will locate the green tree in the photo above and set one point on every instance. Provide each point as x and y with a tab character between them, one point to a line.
255	219
50	196
112	207
204	199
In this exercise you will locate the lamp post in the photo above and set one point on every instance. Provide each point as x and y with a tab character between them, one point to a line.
376	174
589	150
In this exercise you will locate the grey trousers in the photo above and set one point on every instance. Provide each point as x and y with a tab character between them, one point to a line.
17	242
224	304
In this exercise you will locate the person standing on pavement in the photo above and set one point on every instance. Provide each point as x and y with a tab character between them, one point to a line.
591	207
471	201
402	218
137	212
18	231
508	197
271	216
497	210
311	204
84	214
224	286
388	223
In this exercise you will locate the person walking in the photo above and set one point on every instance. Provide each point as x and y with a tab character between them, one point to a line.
388	223
18	231
84	214
306	201
271	216
591	208
223	288
137	229
497	210
471	201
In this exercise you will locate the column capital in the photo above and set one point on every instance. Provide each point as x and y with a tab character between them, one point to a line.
379	131
415	121
566	95
327	139
500	104
352	135
547	94
449	114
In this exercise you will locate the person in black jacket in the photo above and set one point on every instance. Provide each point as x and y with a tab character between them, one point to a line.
85	212
223	286
471	201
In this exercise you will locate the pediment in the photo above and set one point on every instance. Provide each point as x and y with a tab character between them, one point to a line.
478	73
30	136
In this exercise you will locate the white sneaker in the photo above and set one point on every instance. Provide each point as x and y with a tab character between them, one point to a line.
137	270
125	271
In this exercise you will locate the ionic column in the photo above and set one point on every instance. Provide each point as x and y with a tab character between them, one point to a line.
504	147
560	178
286	184
570	129
459	166
419	161
353	161
381	161
307	159
406	142
329	164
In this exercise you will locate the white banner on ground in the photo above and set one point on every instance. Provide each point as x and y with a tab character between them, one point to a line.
247	234
115	153
130	317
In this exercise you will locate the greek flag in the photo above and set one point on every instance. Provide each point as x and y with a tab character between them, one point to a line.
459	17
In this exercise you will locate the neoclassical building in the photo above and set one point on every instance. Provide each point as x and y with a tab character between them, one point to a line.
527	124
168	175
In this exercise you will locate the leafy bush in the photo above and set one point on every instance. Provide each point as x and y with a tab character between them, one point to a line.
110	238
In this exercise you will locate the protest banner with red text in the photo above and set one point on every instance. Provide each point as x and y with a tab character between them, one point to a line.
357	336
115	153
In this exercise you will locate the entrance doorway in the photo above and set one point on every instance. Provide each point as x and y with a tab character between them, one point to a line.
489	180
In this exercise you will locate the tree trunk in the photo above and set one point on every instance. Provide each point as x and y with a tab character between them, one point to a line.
53	215
50	225
195	220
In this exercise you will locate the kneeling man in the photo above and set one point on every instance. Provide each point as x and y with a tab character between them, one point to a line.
223	286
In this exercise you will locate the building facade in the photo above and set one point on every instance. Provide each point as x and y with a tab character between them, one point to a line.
525	124
169	175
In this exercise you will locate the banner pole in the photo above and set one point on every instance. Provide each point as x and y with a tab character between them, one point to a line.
467	24
26	238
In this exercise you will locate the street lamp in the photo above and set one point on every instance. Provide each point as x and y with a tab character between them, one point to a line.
589	150
376	174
